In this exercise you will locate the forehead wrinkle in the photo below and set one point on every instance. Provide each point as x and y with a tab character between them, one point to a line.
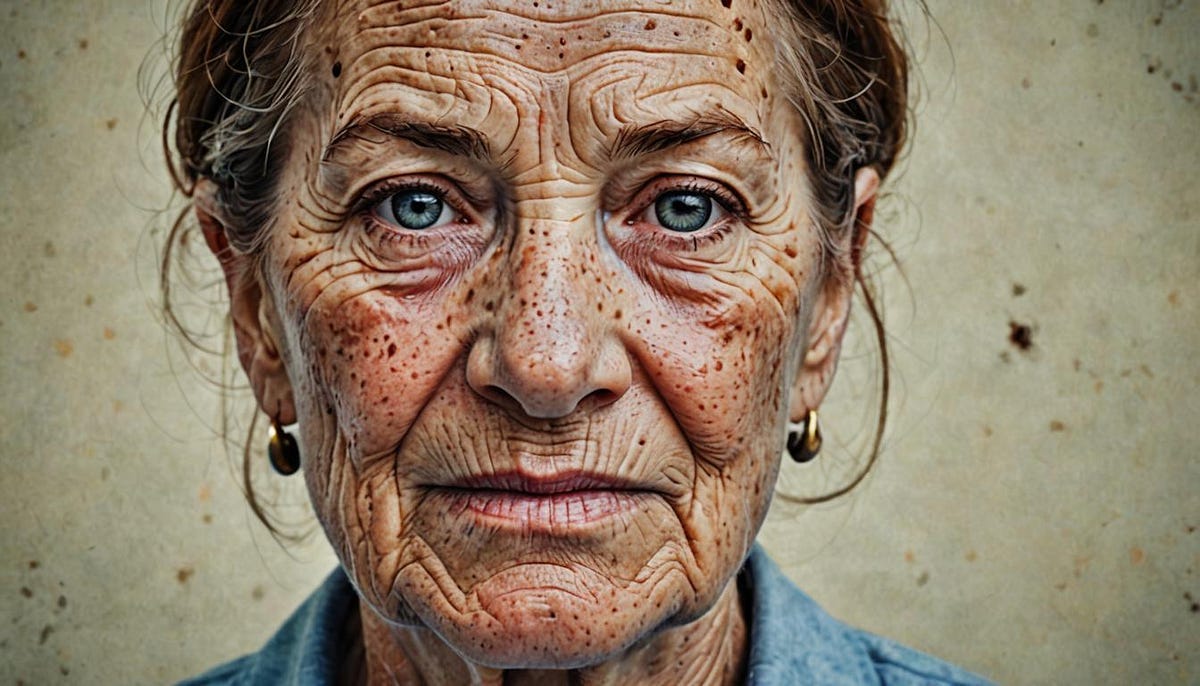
474	31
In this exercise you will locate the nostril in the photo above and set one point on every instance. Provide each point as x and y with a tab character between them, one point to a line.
599	398
499	396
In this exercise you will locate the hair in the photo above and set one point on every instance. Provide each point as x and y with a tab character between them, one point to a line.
241	72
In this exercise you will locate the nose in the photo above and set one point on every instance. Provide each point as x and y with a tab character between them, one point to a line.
551	349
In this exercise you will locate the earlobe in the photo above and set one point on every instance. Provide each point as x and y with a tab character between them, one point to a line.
250	309
831	308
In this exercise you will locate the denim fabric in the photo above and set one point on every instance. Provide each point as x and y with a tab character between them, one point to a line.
792	641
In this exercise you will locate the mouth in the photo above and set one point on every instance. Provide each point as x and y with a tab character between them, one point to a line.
553	503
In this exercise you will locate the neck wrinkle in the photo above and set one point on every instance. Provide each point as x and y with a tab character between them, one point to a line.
711	651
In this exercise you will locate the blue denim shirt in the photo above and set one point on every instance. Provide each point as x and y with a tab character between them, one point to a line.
792	641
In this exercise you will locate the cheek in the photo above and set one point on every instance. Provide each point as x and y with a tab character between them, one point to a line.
373	362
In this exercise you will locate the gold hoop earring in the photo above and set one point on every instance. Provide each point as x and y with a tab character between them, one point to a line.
804	439
282	449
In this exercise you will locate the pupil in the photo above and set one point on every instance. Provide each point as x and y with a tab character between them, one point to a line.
416	209
683	211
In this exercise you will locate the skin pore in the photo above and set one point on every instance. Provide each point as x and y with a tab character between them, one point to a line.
542	429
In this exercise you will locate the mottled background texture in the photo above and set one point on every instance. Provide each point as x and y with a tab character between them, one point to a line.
1033	516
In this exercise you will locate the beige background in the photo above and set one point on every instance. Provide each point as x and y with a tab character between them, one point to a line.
1033	517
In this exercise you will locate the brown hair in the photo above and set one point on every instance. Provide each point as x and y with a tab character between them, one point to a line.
241	71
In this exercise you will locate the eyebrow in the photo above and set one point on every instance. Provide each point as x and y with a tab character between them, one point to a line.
634	140
460	141
631	140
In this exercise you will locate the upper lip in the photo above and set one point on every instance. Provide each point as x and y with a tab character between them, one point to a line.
546	484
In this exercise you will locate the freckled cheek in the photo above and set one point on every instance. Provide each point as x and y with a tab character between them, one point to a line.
722	379
375	363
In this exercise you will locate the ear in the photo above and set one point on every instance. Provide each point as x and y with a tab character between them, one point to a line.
255	324
831	307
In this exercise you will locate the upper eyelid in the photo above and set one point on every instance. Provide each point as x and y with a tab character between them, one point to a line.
729	199
372	195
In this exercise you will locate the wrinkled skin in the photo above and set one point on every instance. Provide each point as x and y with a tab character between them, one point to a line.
550	327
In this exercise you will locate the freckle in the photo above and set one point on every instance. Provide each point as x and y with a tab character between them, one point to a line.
726	3
64	347
737	24
741	66
25	591
21	54
749	34
184	574
30	306
337	69
650	25
110	124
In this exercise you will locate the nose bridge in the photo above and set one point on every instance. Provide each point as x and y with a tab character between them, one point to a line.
546	342
547	353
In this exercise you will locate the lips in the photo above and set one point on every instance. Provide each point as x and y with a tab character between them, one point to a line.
552	503
551	484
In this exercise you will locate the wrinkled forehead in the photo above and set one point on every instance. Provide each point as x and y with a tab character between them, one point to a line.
593	67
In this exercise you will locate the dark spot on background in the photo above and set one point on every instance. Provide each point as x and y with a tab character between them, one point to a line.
1018	290
741	66
46	631
1056	425
83	44
650	25
337	69
62	601
34	564
110	124
1020	335
26	591
184	574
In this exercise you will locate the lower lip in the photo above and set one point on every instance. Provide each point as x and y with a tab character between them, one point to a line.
552	511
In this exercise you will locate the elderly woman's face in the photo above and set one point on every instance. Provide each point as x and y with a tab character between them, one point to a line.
542	282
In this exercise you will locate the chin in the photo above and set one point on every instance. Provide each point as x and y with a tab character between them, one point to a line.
543	616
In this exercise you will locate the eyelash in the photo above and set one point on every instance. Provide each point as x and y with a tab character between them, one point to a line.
365	206
664	239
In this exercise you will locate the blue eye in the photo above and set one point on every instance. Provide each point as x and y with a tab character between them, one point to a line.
683	211
415	209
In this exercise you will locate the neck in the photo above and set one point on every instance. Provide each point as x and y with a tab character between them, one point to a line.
710	651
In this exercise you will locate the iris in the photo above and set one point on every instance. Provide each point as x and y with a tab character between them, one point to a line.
683	211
